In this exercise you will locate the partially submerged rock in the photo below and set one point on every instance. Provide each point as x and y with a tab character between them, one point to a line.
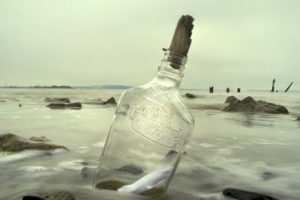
55	195
110	185
39	139
111	101
87	172
132	169
13	143
57	100
231	99
268	176
190	96
245	195
76	105
248	104
171	153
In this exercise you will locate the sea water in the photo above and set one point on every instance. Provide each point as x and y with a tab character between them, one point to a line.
255	152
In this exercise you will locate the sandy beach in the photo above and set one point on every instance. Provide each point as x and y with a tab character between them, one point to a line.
256	152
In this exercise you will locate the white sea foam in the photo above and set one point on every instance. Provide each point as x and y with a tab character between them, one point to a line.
11	157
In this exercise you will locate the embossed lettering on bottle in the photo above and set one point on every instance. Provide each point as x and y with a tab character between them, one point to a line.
147	120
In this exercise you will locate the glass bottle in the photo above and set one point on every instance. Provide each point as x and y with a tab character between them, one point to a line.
148	134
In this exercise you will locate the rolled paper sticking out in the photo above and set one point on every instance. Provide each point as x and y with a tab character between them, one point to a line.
148	182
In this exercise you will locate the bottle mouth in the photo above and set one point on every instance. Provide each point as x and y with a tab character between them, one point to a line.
173	63
176	61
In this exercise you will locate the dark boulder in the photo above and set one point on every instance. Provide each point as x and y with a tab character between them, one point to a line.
13	143
190	96
132	169
32	197
231	99
76	105
111	101
245	195
57	100
39	139
55	195
248	104
110	185
87	172
268	176
298	119
171	153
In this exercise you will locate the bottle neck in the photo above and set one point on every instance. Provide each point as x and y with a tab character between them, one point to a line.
170	72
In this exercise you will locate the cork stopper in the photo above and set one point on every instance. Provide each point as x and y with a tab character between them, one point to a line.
181	41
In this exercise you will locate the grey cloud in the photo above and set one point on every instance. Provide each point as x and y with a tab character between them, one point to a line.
119	42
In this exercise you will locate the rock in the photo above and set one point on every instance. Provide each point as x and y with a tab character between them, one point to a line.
2	100
171	153
84	163
110	185
248	104
55	195
20	105
231	99
245	195
76	105
13	143
111	100
57	105
132	169
39	139
190	96
57	100
298	119
268	176
87	172
30	197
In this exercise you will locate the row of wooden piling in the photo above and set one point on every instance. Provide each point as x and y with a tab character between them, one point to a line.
273	86
211	89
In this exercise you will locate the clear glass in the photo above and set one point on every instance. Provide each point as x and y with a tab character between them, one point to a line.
148	134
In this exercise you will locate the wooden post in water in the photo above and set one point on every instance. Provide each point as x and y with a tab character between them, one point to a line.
288	87
239	90
211	89
228	90
273	85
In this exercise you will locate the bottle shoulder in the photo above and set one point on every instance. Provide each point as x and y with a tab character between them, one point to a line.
157	96
155	112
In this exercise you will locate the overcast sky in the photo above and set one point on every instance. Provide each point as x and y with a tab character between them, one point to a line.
236	43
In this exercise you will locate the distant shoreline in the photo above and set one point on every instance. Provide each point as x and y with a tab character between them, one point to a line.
124	87
39	87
